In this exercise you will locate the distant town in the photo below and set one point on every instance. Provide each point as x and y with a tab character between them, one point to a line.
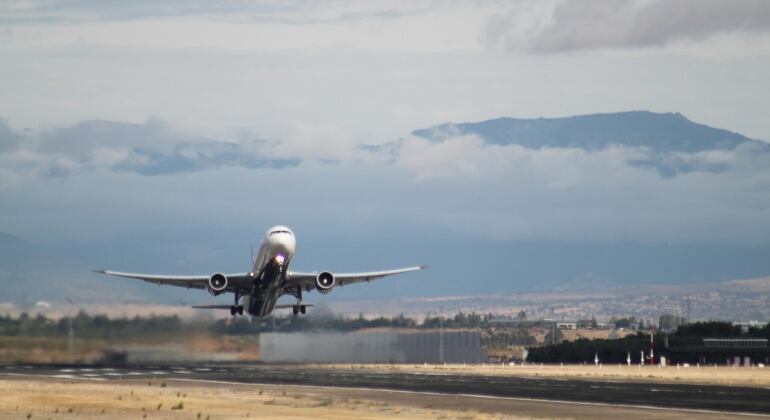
738	300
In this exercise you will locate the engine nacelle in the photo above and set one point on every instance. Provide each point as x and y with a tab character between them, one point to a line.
217	284
324	282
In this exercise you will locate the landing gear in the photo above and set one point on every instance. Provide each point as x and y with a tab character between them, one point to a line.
236	308
299	308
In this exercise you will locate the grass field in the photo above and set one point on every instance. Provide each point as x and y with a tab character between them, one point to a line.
720	375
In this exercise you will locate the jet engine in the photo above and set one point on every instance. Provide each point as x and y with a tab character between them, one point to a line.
217	284
324	282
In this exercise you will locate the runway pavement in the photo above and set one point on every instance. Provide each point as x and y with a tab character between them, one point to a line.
682	396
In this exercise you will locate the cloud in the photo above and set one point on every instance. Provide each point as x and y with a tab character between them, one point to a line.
673	163
9	139
573	194
596	24
464	156
292	12
316	141
238	26
153	148
150	148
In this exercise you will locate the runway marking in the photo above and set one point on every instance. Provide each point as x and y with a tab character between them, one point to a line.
493	397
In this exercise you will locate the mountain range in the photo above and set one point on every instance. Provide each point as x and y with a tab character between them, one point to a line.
661	132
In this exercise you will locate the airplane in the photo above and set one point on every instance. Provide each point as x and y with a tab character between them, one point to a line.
257	291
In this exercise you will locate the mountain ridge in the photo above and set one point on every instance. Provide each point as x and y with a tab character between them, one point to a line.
661	132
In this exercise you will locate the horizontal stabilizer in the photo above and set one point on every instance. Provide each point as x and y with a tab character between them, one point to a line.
307	305
212	306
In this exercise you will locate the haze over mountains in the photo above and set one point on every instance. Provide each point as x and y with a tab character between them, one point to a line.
499	206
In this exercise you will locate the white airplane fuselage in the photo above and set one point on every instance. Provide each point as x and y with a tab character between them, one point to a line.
270	267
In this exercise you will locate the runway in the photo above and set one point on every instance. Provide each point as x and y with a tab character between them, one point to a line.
658	395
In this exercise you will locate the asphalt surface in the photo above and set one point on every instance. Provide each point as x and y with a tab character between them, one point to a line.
683	396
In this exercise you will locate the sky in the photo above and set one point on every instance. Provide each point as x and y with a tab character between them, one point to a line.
126	117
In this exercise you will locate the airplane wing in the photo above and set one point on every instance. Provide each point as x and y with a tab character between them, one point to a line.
191	282
307	280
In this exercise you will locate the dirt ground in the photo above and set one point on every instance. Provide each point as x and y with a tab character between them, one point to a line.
719	375
26	399
38	398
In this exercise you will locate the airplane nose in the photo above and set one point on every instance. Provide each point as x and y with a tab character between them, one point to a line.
283	244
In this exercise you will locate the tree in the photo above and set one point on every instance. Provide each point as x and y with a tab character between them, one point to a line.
557	336
624	322
670	322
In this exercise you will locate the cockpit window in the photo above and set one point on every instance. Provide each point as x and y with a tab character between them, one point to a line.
279	231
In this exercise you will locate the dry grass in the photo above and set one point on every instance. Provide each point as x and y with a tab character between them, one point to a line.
721	375
15	350
22	399
48	350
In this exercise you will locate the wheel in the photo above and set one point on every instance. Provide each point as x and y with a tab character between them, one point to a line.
240	310
233	310
302	309
295	309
